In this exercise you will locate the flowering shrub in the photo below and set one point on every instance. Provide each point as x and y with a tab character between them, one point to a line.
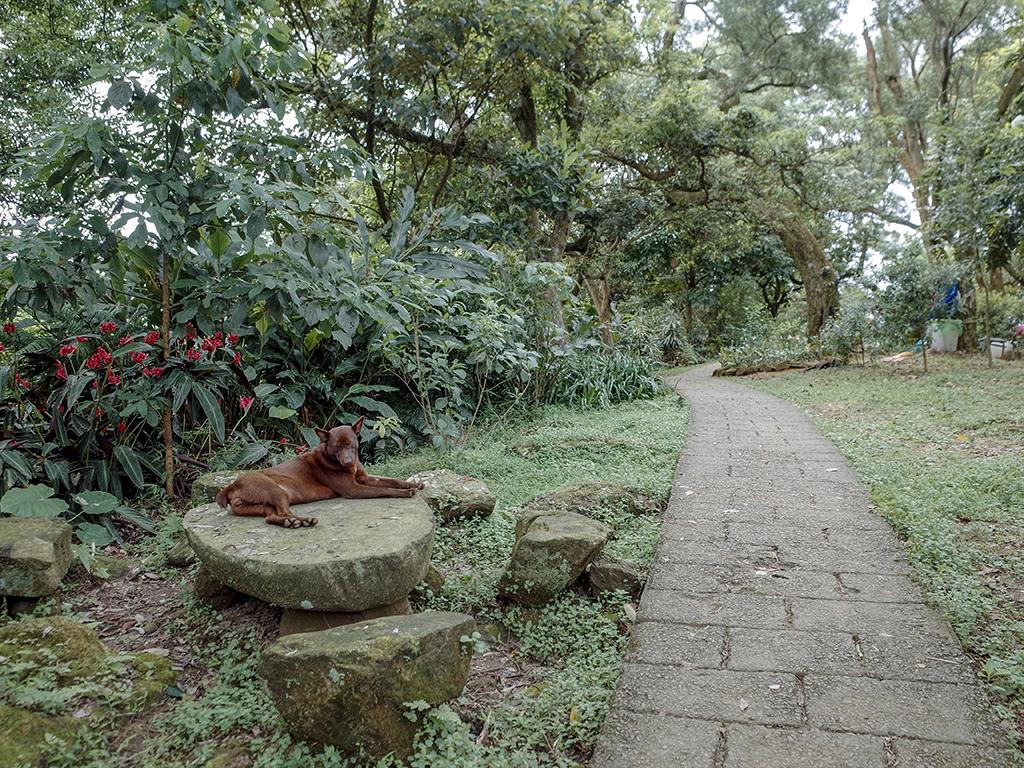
85	410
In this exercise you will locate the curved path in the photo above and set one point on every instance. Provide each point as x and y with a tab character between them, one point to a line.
780	627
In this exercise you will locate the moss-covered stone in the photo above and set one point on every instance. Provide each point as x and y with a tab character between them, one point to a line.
454	496
35	554
59	640
584	497
206	487
153	675
28	738
349	686
364	553
551	550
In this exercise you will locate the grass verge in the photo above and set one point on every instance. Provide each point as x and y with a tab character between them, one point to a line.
943	456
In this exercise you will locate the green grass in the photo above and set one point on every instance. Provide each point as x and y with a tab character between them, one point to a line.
943	456
566	654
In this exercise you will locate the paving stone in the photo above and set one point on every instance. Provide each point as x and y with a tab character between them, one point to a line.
720	695
858	617
792	651
926	754
655	642
756	611
934	711
934	658
757	746
632	740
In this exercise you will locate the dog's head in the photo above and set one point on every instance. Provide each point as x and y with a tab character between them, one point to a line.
341	444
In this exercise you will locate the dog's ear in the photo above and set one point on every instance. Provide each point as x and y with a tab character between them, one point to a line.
323	434
358	426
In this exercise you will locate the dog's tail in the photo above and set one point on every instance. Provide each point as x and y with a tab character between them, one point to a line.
222	498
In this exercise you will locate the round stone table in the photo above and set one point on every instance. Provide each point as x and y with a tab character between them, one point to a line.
363	554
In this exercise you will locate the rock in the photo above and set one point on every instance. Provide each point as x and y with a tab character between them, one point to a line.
453	496
586	497
180	555
212	591
153	675
550	552
293	621
29	739
35	554
349	686
363	554
71	647
206	487
113	568
609	576
430	586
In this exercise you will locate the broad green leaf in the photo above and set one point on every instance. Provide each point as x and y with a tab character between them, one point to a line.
96	502
251	453
208	402
17	462
120	94
130	463
33	501
280	412
136	517
92	534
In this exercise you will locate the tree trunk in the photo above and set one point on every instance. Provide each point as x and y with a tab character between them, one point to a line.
168	415
601	295
816	272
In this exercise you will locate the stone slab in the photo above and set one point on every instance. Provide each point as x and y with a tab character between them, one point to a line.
294	621
722	695
757	746
35	554
634	740
929	711
364	553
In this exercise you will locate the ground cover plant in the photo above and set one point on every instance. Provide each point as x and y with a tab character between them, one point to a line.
542	677
961	508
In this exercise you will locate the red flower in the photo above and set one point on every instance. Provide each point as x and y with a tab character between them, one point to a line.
139	357
113	378
154	372
2	347
61	373
245	402
232	338
81	338
152	337
99	412
99	359
126	340
237	359
108	327
211	344
68	349
120	427
9	328
193	354
23	382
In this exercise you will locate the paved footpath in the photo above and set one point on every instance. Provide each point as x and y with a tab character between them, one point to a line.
780	627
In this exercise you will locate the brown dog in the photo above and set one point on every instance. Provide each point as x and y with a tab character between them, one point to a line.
330	470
